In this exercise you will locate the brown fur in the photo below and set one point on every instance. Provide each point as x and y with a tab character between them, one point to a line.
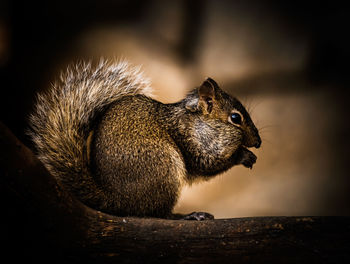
119	151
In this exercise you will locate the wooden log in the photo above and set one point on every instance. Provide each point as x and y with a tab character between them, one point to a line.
43	223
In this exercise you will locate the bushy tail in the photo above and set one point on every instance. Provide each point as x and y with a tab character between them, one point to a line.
63	119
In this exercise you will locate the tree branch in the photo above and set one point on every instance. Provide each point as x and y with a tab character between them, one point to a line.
45	223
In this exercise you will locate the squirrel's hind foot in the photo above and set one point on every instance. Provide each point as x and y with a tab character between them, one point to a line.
199	216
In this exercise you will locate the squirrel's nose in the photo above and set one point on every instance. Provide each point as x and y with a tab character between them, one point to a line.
258	143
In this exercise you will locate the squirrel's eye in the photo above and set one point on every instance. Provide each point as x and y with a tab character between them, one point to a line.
236	118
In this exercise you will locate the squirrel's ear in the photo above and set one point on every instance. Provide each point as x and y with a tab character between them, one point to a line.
206	94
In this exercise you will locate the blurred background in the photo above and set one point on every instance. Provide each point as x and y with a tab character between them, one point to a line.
287	61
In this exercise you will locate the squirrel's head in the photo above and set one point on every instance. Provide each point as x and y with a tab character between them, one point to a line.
221	123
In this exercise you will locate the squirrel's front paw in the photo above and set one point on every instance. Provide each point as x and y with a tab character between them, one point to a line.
246	158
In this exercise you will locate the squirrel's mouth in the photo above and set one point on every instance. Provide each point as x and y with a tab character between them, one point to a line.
249	149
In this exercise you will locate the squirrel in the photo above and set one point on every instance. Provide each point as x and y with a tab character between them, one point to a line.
102	136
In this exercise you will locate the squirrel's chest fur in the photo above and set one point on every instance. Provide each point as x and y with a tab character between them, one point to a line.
134	157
